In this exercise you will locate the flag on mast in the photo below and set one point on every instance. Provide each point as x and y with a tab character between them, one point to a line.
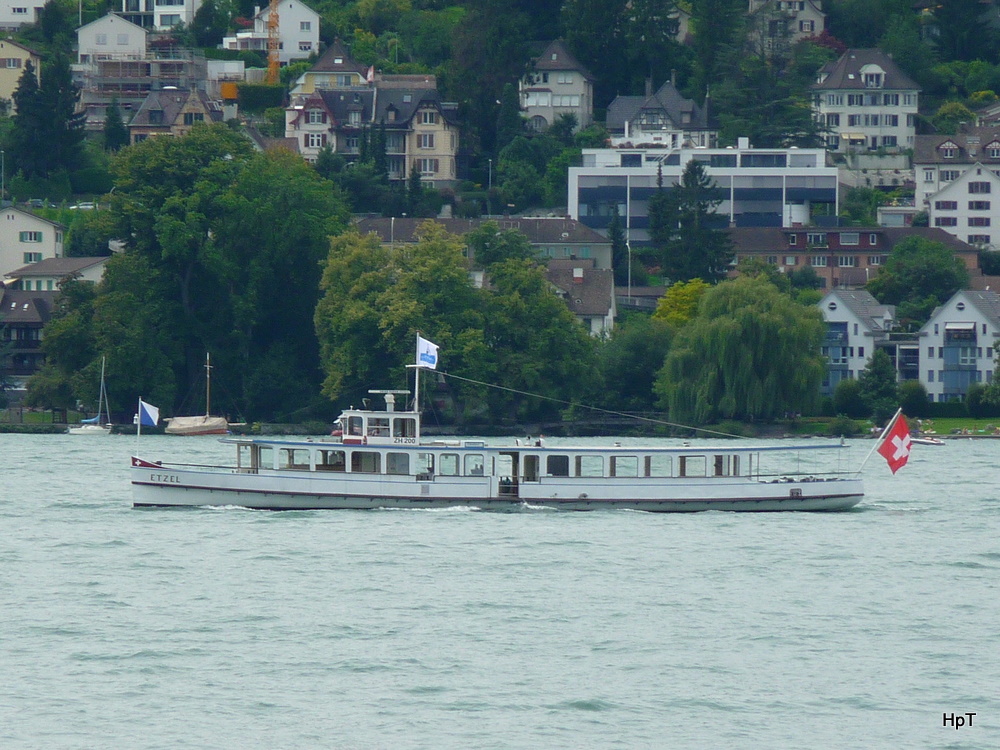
427	353
149	415
895	447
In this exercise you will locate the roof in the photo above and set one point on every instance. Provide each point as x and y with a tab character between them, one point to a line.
970	147
845	73
337	60
114	17
556	57
539	231
588	290
17	306
986	303
864	306
171	102
21	46
57	267
406	102
775	239
33	215
666	99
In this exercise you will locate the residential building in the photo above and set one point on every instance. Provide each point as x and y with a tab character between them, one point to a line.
16	13
551	238
958	345
23	315
298	32
333	70
789	21
556	84
110	37
13	59
856	324
421	130
663	119
172	112
589	292
969	207
49	274
840	256
866	102
160	15
26	238
761	187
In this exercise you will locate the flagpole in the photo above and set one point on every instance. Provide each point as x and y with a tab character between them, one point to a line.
138	424
881	437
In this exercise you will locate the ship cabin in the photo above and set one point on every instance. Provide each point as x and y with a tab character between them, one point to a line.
390	427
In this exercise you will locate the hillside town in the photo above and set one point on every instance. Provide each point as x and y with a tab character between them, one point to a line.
581	201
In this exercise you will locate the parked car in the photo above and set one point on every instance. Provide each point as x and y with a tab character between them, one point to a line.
85	206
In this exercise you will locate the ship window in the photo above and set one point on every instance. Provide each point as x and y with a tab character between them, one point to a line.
589	466
474	464
404	427
397	463
624	466
725	466
659	466
448	465
424	465
331	461
529	468
366	462
378	426
557	466
354	425
293	458
691	466
265	458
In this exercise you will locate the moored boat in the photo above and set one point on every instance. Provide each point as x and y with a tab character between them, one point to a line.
204	424
100	424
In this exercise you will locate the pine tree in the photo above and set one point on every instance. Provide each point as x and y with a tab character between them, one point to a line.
65	130
30	124
115	132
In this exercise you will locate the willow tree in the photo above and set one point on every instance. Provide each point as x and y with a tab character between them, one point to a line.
751	353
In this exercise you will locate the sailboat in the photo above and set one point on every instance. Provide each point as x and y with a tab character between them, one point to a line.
202	425
93	426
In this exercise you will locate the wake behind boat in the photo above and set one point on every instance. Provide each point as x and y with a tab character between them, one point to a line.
380	461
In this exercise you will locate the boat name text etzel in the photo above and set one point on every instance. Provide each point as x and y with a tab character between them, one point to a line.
169	478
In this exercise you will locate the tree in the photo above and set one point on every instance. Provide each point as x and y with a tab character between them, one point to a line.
847	400
751	353
961	32
488	244
30	125
593	32
115	133
952	115
510	123
683	228
209	24
918	275
680	304
629	360
620	255
877	386
716	25
913	398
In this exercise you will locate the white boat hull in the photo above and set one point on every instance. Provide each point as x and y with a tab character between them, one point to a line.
180	487
90	429
197	426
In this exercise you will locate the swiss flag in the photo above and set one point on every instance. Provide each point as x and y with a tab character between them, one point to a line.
141	463
895	448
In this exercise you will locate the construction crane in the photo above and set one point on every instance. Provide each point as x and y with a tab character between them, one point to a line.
273	43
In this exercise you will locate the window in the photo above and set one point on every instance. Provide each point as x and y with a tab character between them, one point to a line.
946	221
190	118
791	260
890	100
945	205
427	166
19	11
850	238
565	78
854	120
979	221
847	261
833	121
874	260
909	100
397	463
624	466
32	257
449	465
366	462
474	465
305	25
817	239
428	117
31	236
873	239
818	261
889	141
305	46
425	140
979	205
792	239
316	116
315	140
928	175
872	121
930	376
10	62
948	152
691	466
855	100
771	260
354	118
979	239
873	80
589	466
966	355
993	150
101	39
807	26
979	187
947	175
557	466
170	19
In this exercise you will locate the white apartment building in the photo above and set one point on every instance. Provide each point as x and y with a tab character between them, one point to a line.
160	15
761	187
26	238
866	102
557	84
298	32
958	345
111	37
15	13
968	207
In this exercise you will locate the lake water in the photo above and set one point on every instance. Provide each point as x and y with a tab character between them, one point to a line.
227	628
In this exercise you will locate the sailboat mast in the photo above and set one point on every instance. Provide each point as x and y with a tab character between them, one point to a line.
102	402
208	384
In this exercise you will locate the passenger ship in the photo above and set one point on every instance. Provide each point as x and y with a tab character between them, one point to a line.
380	461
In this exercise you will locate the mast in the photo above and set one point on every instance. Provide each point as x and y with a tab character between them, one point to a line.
208	384
102	402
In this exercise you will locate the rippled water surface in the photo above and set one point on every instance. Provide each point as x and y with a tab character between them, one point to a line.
219	628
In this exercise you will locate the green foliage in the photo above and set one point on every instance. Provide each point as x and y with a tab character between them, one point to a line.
115	131
878	388
210	23
859	207
913	398
962	35
844	426
918	275
751	353
629	360
90	233
274	122
488	244
989	262
680	303
979	403
951	115
258	97
804	278
847	399
619	250
760	267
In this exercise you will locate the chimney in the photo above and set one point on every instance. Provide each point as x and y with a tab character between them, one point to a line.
673	77
649	86
577	275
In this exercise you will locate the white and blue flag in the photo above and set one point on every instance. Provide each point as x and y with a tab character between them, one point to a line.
149	415
427	353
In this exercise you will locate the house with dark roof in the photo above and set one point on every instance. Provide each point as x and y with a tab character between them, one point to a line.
49	274
856	324
589	292
335	69
172	111
866	102
23	315
297	28
840	256
958	345
662	119
556	84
